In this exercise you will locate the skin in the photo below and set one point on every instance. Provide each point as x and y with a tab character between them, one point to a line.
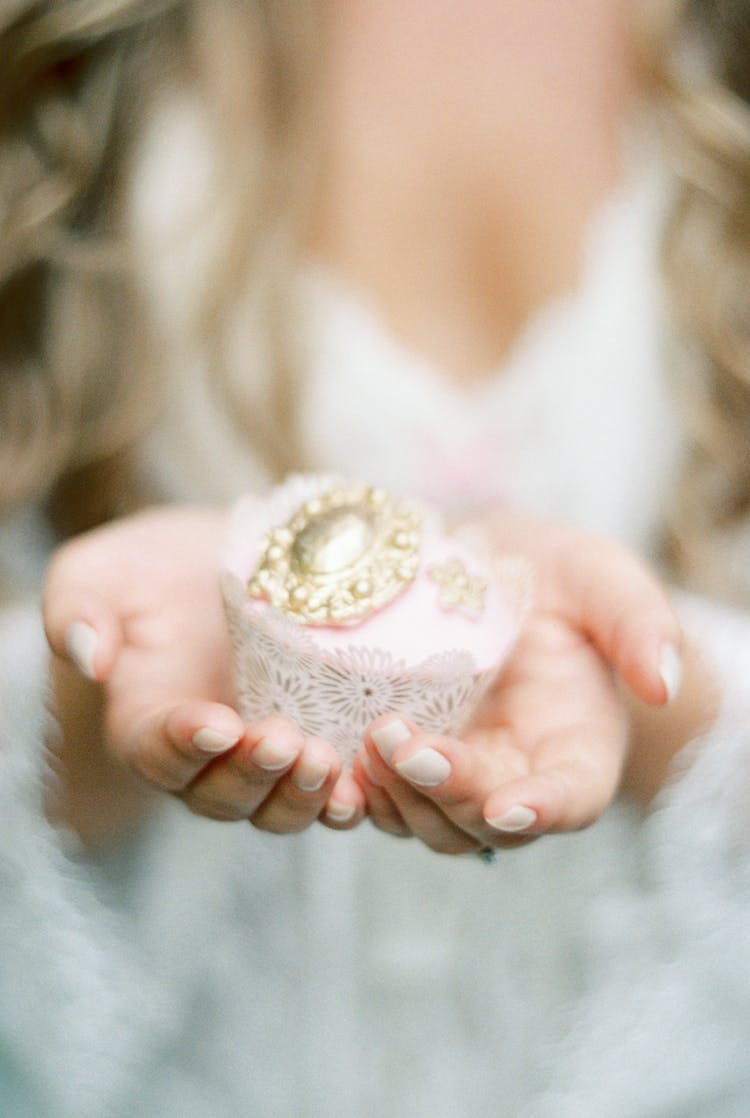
455	204
448	193
161	674
553	736
560	734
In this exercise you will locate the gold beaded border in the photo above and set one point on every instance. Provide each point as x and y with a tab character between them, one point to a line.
351	594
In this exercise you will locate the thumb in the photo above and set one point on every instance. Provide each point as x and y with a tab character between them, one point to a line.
628	616
82	626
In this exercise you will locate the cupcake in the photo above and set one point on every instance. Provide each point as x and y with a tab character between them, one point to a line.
345	601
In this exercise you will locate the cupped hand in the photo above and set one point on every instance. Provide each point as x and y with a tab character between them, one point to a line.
136	607
547	749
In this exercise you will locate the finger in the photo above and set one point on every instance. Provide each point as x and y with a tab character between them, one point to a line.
419	791
82	629
447	770
627	614
425	821
235	786
346	805
380	807
80	622
572	782
298	798
454	776
173	744
405	811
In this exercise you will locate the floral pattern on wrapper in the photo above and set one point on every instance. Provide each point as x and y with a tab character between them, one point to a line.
335	695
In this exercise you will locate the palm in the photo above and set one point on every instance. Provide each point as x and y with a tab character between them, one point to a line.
175	643
554	711
148	587
546	751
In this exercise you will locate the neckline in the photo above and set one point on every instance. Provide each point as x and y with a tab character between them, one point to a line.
627	217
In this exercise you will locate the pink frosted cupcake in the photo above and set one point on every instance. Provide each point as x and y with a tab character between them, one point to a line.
345	602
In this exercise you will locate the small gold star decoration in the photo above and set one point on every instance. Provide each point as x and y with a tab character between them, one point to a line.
458	588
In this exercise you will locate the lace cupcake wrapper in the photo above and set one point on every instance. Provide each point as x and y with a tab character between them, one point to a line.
335	694
334	679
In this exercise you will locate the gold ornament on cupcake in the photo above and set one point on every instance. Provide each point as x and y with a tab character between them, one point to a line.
458	588
343	554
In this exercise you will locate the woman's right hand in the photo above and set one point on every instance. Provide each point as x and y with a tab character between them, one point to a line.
136	607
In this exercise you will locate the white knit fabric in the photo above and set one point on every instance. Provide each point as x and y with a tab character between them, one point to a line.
207	970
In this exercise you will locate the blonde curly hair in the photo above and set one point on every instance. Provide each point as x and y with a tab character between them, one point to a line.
74	389
699	51
81	365
80	380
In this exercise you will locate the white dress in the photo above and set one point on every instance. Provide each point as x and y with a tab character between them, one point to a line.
210	971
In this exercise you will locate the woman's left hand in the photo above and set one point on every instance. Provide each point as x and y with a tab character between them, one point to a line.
547	750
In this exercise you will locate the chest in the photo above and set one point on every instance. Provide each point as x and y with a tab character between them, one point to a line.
463	153
577	423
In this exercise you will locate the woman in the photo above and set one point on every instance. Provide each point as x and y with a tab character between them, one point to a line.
455	218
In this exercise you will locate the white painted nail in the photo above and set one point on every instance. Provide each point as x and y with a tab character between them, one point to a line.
309	776
272	757
82	641
518	818
368	767
428	768
340	813
390	736
211	741
670	670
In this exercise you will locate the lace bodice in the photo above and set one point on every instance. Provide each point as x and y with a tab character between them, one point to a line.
578	422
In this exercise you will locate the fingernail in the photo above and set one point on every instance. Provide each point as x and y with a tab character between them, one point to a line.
211	741
428	767
82	641
518	818
670	670
340	813
270	756
368	767
390	736
309	776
